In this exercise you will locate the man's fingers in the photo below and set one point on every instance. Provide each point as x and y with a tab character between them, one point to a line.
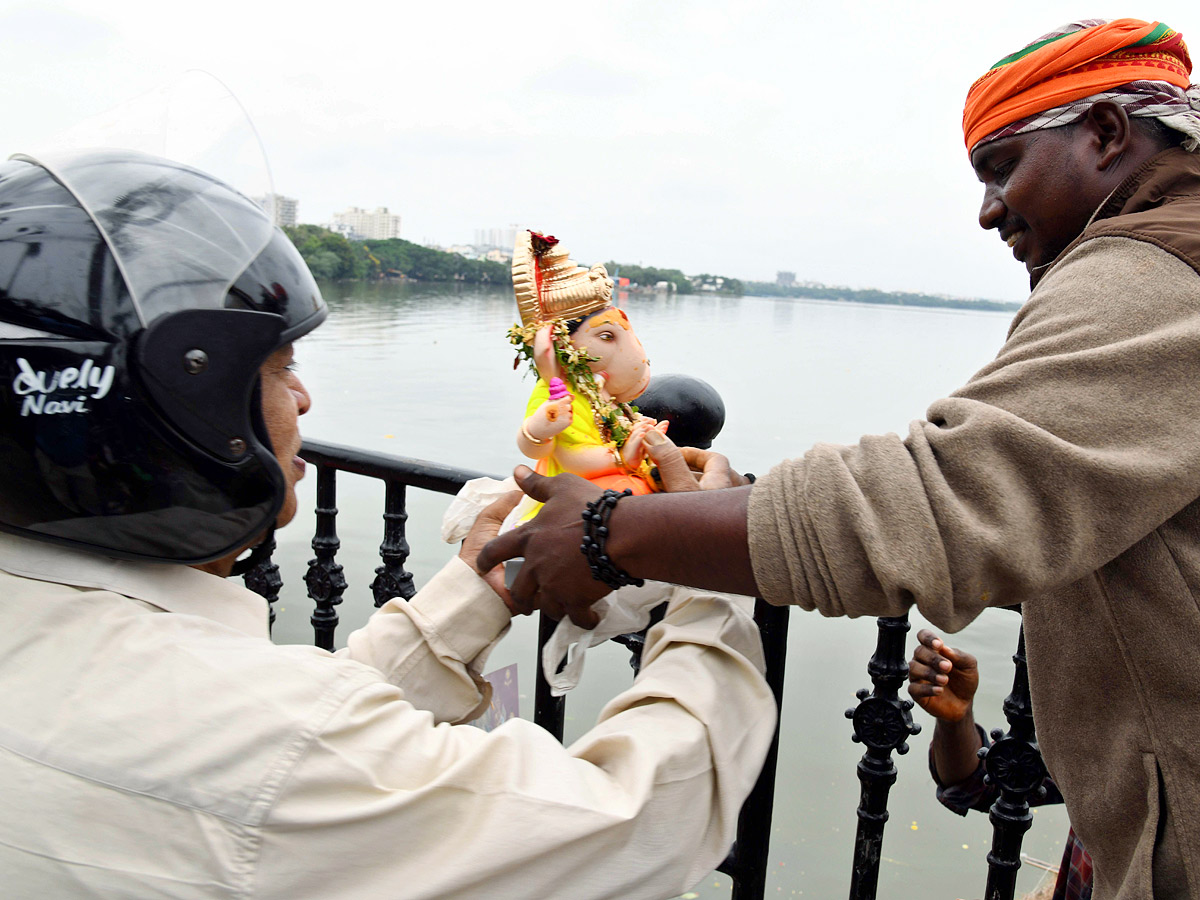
929	639
524	590
919	672
496	511
673	468
715	469
498	549
960	658
583	616
495	580
927	656
921	690
543	488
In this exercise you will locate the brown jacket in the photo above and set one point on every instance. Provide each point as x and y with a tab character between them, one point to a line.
1063	476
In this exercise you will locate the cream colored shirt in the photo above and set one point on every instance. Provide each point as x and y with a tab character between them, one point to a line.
154	743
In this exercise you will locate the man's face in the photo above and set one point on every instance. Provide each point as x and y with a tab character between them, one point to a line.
284	400
1039	192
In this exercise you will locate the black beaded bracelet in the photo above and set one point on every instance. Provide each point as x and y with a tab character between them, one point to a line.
595	536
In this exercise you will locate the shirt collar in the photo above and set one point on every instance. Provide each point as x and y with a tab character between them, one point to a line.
170	587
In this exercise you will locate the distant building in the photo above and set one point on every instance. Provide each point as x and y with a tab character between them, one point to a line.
340	228
281	209
378	225
785	279
503	238
498	255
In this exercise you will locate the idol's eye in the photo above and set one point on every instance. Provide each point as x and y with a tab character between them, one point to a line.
605	335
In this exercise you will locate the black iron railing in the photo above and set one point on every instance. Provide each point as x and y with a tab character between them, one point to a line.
881	721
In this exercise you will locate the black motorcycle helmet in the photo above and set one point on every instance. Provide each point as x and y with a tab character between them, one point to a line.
138	298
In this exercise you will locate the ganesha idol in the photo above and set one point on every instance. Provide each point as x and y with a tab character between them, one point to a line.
590	366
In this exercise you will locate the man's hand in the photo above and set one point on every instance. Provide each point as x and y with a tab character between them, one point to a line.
486	527
942	680
688	469
554	567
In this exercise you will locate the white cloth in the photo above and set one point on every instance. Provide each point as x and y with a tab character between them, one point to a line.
470	501
155	744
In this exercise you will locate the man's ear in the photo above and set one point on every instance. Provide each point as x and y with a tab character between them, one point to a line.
1110	131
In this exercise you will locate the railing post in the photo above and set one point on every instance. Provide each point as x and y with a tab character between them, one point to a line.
391	579
883	723
1014	764
548	711
747	864
324	578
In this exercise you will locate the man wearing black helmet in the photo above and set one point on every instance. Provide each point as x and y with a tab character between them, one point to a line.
153	741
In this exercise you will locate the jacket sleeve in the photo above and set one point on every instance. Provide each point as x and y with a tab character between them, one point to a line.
434	647
383	802
1077	441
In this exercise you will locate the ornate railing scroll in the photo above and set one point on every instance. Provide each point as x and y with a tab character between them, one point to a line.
324	578
883	722
746	863
265	580
391	578
1013	764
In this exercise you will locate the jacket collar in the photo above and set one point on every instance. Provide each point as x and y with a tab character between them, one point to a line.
170	587
1170	175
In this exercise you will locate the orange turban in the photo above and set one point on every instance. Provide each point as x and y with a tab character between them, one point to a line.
1071	65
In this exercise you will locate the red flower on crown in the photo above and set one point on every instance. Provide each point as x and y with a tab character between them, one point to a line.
542	242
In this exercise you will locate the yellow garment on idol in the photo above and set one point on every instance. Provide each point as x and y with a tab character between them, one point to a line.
582	433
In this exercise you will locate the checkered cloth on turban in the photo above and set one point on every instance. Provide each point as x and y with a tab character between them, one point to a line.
1143	66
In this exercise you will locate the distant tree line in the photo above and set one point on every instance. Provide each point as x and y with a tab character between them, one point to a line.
871	295
331	256
648	276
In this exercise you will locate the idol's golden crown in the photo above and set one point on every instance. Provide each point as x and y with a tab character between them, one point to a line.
550	286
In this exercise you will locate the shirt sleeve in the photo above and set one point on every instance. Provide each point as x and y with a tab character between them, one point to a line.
385	802
434	647
974	793
1077	441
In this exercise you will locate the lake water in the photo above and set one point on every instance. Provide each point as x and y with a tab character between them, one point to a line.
426	371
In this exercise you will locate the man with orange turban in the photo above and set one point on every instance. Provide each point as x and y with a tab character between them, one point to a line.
1064	476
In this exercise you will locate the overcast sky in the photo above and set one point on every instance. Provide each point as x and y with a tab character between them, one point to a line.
737	138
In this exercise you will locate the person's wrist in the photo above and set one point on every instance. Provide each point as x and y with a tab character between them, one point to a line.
597	529
622	548
961	729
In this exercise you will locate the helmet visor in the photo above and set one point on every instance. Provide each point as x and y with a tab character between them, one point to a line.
180	237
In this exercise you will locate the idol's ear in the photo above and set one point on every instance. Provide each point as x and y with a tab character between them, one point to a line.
544	356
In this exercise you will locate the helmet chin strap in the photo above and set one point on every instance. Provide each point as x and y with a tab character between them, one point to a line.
260	552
